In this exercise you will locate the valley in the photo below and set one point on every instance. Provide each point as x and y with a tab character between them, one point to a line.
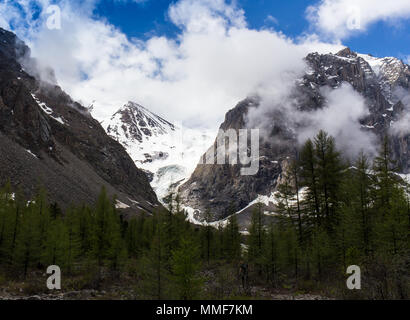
129	211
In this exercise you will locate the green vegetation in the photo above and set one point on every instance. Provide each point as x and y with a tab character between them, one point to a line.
346	215
161	255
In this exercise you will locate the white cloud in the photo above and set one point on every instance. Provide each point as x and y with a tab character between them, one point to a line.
271	19
402	126
206	15
215	62
341	119
341	18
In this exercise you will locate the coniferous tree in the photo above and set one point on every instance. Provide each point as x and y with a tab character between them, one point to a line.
232	239
155	261
256	238
310	179
73	239
289	204
133	237
390	201
185	266
207	237
357	207
57	244
105	232
117	252
271	255
220	243
329	168
28	244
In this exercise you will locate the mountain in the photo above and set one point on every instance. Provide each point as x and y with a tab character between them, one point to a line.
146	136
167	153
383	83
49	140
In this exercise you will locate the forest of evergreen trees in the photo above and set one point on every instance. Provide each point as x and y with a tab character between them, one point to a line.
347	214
350	214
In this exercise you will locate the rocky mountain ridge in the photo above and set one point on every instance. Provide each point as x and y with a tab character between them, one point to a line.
380	81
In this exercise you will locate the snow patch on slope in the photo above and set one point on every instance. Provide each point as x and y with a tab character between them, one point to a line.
48	110
375	63
31	153
405	177
121	205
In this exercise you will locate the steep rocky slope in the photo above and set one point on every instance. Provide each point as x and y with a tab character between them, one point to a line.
47	139
381	82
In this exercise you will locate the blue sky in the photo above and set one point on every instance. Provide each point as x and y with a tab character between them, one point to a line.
142	20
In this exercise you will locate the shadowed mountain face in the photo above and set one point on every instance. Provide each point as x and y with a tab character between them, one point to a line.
381	82
47	139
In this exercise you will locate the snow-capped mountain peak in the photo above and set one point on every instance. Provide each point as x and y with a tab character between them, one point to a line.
167	153
388	69
134	123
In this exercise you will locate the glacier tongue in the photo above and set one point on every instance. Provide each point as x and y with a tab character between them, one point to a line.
169	152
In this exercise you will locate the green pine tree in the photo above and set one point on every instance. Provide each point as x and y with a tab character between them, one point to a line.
185	267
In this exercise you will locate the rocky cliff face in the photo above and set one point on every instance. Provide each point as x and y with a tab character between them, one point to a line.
47	139
381	82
